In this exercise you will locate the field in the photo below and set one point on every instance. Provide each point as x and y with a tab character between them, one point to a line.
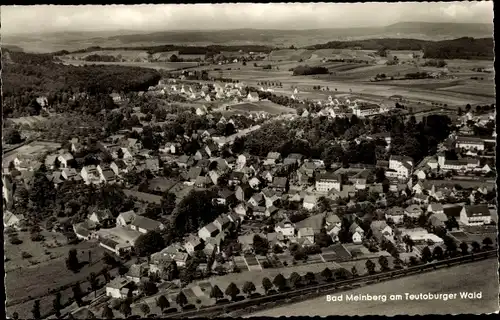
473	277
24	284
153	65
266	106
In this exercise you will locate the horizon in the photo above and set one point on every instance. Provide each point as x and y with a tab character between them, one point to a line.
216	17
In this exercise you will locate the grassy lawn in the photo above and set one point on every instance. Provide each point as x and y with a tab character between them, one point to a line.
34	282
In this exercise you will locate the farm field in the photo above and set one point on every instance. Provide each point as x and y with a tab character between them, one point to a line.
153	65
266	106
472	277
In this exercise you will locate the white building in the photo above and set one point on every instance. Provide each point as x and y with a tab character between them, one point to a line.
475	215
463	142
327	181
286	228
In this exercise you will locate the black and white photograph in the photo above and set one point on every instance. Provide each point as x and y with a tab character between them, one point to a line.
249	160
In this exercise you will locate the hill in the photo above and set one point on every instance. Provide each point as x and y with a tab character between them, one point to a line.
275	38
462	48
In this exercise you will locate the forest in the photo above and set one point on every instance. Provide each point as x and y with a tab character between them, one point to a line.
461	48
27	76
322	138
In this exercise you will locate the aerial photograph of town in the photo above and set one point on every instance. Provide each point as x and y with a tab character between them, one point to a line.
249	160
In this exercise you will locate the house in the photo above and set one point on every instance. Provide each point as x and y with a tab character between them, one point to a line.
306	172
332	219
259	211
310	202
420	174
357	238
240	211
307	233
118	288
125	218
202	181
145	225
222	222
396	214
235	178
279	184
193	244
226	197
102	217
253	97
420	236
254	183
106	174
469	143
435	208
256	200
65	160
453	211
90	175
193	174
413	211
119	167
366	110
70	174
50	161
294	158
475	215
421	198
184	161
270	197
243	192
435	222
210	230
286	228
272	158
85	230
327	181
380	229
136	272
12	220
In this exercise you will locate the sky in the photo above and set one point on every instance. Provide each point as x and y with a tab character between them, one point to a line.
144	18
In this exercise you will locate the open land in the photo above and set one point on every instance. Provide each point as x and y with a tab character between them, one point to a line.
477	277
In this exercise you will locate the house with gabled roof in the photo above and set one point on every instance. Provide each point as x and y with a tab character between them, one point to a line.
310	202
209	230
192	244
396	214
103	218
272	158
413	211
226	197
145	225
475	215
125	218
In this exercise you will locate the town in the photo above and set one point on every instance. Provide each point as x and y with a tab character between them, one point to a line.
201	191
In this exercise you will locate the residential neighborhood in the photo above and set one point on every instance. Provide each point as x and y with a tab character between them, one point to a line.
203	190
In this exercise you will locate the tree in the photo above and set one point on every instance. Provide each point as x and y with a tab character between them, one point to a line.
162	303
370	266
384	263
426	254
107	313
248	288
487	243
145	309
327	274
149	288
56	304
77	294
438	253
382	52
72	260
476	247
94	282
149	243
12	136
310	277
267	284
279	282
125	308
216	293
15	316
464	247
295	279
232	290
451	246
260	245
181	299
36	310
354	271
